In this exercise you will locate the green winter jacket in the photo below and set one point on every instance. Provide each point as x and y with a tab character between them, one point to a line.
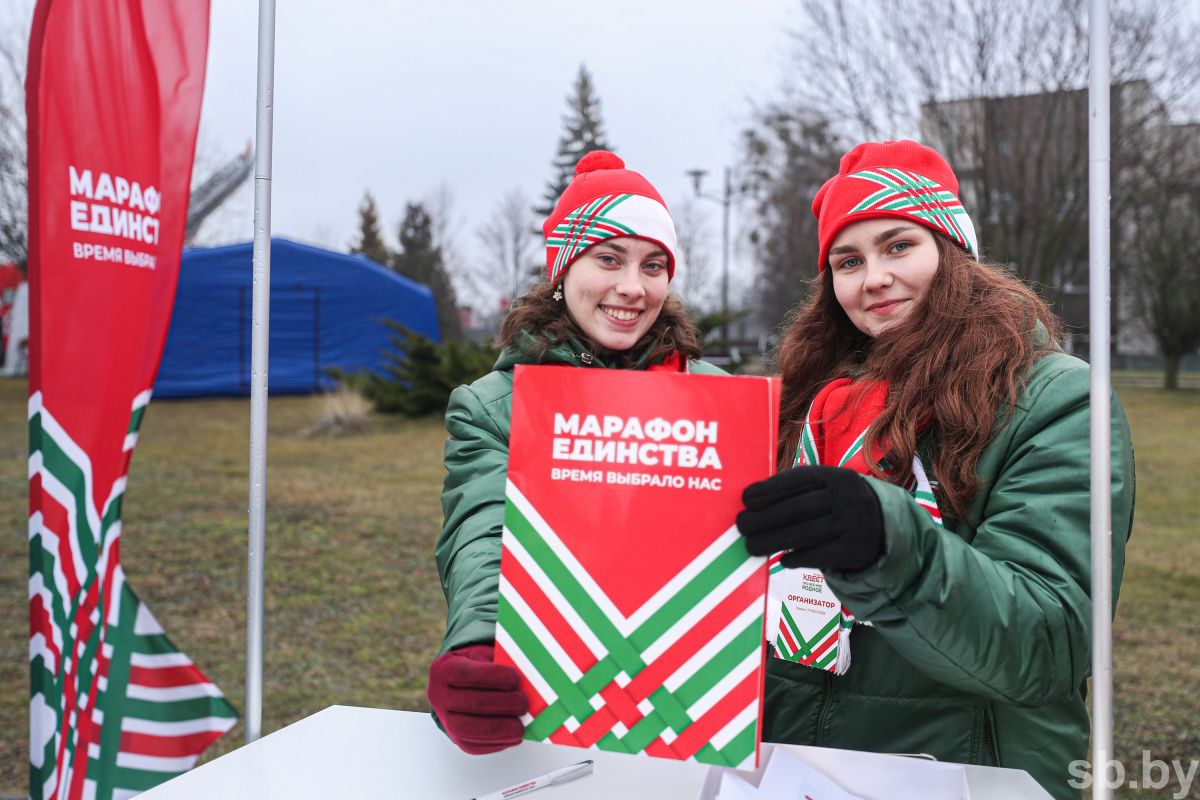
468	552
981	646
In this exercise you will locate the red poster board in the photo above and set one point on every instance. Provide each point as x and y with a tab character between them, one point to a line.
628	601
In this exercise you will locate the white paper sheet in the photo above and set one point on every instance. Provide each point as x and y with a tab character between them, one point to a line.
785	778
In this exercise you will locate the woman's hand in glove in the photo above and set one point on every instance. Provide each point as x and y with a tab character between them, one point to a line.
824	517
478	702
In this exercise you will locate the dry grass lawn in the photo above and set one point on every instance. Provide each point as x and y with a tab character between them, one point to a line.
1156	637
354	609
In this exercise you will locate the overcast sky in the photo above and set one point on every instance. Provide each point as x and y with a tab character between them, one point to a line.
400	98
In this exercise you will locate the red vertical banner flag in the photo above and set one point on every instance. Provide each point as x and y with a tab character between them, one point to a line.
113	95
628	602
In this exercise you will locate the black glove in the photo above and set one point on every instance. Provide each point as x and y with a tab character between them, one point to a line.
825	517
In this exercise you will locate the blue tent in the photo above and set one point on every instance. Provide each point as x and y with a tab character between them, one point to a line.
326	309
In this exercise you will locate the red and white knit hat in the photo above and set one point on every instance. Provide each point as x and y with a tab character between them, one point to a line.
604	201
904	180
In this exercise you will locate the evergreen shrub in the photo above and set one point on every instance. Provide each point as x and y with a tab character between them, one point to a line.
419	374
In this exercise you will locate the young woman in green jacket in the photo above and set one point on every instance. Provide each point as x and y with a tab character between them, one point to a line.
610	253
934	467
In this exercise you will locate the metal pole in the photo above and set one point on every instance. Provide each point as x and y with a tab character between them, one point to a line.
260	328
1101	411
725	257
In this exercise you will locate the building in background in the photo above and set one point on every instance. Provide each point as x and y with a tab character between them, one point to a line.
1022	163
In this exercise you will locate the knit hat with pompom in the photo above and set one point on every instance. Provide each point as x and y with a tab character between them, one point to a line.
604	201
902	180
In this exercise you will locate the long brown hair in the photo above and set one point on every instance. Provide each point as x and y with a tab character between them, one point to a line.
961	352
547	320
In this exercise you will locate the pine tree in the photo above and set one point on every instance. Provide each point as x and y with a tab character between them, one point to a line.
584	133
419	374
370	237
420	260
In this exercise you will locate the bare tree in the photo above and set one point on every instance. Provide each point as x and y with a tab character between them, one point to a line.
509	244
447	235
869	65
1019	139
693	279
14	222
845	59
788	156
1161	259
446	225
999	87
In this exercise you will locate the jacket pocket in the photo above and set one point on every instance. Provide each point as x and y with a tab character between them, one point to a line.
947	728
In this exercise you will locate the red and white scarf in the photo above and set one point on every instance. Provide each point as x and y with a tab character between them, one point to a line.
810	624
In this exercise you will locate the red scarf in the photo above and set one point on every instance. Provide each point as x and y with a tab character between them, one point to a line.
834	434
837	424
672	363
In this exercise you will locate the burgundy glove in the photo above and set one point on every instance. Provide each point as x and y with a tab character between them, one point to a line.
478	702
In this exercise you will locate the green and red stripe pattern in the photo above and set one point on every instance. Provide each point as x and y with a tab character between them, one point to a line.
584	227
829	648
921	197
680	678
605	218
115	708
820	651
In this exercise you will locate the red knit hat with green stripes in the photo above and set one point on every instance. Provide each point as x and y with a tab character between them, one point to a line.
904	180
604	201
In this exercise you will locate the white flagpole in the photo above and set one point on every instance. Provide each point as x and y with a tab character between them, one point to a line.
258	369
1099	160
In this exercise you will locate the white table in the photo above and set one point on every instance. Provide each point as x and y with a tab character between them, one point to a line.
347	752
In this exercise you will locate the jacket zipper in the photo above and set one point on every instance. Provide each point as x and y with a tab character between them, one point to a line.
826	707
987	737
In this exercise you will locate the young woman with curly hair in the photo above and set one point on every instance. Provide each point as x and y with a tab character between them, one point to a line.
934	476
610	253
